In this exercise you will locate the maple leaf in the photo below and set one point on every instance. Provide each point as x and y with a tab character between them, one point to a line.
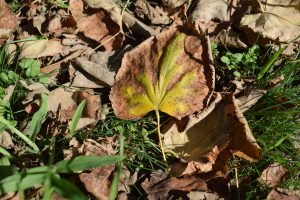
169	72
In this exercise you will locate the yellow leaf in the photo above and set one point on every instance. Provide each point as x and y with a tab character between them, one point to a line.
164	73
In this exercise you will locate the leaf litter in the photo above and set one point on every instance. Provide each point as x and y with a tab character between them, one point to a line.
167	67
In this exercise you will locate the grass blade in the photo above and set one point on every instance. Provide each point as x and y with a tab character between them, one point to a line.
76	117
66	189
38	117
85	162
270	63
19	133
22	181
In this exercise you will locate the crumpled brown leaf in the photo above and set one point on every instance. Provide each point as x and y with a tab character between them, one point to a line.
97	25
161	187
67	101
284	194
156	14
207	10
5	140
41	48
99	70
277	20
8	22
210	138
273	175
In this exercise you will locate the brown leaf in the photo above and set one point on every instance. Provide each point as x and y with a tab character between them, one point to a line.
68	100
5	140
212	137
207	10
273	175
41	48
156	14
97	25
273	19
96	181
284	194
175	187
8	22
98	71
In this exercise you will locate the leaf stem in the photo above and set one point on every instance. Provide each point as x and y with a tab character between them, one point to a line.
159	136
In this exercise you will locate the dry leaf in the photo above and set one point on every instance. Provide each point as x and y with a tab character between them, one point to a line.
212	137
156	14
173	6
278	20
98	71
67	101
8	21
249	98
97	25
176	187
137	27
197	195
5	140
284	194
207	10
96	181
273	175
41	48
170	73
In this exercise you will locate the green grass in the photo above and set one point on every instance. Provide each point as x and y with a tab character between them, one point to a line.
275	123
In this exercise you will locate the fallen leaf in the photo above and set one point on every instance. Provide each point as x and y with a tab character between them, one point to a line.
41	48
8	22
156	15
249	98
170	72
274	19
212	137
197	195
284	194
173	6
5	140
207	10
97	25
96	181
98	71
175	187
67	100
137	27
273	175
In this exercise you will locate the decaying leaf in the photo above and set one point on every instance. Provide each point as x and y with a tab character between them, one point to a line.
41	48
278	20
212	137
273	175
147	12
175	187
170	72
5	140
98	71
115	12
8	21
207	10
284	194
67	100
97	25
